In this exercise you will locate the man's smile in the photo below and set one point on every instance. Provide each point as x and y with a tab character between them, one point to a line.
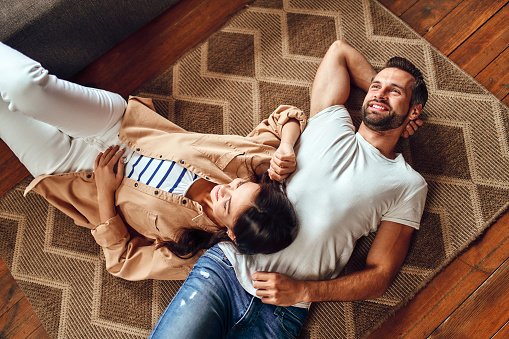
378	106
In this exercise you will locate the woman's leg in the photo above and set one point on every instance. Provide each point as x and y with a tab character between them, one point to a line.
42	148
49	123
76	110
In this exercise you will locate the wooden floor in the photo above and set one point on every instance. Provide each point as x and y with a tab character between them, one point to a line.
470	298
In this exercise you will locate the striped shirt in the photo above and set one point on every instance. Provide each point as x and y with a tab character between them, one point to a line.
163	174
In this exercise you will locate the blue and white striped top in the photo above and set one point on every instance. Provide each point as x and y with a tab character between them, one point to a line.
163	174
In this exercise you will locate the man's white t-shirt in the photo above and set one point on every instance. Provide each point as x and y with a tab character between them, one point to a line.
342	189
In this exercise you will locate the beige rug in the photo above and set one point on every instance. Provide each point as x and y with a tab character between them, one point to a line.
265	56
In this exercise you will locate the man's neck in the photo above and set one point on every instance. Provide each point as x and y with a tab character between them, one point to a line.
384	141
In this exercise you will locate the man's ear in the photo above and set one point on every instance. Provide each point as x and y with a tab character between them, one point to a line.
415	111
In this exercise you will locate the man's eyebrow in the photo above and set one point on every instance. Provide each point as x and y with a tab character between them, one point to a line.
392	84
399	86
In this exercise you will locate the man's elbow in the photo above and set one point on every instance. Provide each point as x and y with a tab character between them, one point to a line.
339	46
381	283
379	291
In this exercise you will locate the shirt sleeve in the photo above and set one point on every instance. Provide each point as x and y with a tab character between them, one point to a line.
409	210
271	128
133	257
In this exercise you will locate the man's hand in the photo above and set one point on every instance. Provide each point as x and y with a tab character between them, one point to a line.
278	289
283	162
411	128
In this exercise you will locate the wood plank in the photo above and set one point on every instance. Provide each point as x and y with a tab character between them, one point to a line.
503	333
448	289
112	62
482	47
10	293
458	25
490	302
39	333
425	312
140	59
12	170
19	322
425	14
490	250
495	77
398	7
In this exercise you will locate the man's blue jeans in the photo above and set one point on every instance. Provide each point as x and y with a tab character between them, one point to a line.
212	304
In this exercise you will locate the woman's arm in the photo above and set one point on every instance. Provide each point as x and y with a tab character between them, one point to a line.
281	130
283	163
133	257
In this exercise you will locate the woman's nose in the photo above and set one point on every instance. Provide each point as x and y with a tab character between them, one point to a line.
225	190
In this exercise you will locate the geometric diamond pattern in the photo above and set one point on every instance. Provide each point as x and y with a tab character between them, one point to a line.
385	24
209	117
310	35
265	56
429	232
63	235
225	51
442	156
118	295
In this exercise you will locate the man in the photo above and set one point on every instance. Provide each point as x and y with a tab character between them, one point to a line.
346	185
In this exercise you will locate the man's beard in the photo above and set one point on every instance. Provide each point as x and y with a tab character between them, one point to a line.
390	120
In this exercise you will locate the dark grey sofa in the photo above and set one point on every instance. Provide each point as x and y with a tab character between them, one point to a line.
67	35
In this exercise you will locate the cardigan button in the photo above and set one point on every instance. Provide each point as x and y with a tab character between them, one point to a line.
156	192
137	150
182	162
135	184
89	176
207	178
184	201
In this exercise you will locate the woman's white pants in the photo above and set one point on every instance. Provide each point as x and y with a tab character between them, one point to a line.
52	125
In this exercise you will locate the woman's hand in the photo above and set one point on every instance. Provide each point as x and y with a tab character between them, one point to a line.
107	180
283	162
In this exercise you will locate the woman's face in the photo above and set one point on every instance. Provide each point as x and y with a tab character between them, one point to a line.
231	200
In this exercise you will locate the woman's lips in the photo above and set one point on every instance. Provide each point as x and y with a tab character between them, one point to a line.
217	192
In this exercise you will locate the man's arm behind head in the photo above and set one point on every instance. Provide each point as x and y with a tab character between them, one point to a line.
341	65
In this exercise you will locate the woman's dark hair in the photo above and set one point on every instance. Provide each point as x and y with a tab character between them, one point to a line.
267	226
419	90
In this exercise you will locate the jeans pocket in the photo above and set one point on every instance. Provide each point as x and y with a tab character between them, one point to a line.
216	253
291	319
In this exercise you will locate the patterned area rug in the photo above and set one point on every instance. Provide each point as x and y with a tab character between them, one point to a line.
265	56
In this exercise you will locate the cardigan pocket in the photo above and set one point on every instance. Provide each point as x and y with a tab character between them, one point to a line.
140	219
217	150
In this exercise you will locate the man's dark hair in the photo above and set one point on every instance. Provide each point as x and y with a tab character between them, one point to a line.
419	90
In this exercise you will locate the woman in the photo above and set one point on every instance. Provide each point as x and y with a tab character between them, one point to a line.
151	220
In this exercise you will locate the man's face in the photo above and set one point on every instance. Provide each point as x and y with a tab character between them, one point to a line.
387	103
